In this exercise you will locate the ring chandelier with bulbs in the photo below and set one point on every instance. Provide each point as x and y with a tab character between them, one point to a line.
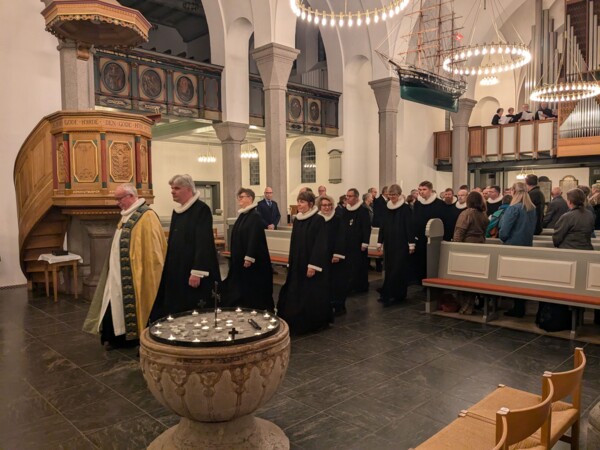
565	92
490	80
510	57
347	18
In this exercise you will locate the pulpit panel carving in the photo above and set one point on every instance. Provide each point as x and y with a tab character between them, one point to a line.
85	161
61	163
144	161
121	162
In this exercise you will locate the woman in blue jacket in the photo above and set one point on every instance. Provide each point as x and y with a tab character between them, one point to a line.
517	226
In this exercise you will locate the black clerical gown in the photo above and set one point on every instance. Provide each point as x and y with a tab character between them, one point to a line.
493	206
250	287
424	211
356	229
191	246
303	301
450	216
335	241
396	235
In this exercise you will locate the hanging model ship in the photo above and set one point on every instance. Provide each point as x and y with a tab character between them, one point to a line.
433	34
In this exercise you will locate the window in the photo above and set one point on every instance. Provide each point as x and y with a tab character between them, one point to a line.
254	169
308	161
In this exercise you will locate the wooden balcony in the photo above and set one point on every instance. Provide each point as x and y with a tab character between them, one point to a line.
515	141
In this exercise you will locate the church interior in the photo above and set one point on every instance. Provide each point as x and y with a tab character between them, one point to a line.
291	94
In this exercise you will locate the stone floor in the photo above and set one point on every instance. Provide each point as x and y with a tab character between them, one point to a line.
377	379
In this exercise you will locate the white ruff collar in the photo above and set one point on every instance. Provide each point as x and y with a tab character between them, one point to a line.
498	199
183	208
429	201
461	206
327	218
247	208
355	207
139	202
304	216
391	205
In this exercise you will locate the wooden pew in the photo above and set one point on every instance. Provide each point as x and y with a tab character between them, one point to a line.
569	277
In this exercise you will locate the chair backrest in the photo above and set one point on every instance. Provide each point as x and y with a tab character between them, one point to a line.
519	424
569	382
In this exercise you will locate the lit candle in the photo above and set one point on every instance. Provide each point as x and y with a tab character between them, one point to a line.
238	310
253	313
218	329
219	310
157	332
194	313
273	320
257	333
204	321
266	316
196	340
158	325
197	324
171	338
270	327
228	338
170	319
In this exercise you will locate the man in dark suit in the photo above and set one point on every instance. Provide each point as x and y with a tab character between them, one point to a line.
538	199
556	208
268	210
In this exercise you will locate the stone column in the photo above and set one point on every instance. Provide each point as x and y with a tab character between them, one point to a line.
231	135
274	62
460	141
387	94
76	76
100	233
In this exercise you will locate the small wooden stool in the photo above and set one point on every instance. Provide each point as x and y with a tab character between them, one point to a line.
54	264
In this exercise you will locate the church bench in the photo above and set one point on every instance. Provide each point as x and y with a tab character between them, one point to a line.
569	277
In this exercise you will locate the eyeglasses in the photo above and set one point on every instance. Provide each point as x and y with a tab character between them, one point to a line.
268	192
122	197
349	196
326	205
243	196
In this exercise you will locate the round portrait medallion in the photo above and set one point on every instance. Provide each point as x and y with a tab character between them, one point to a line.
113	77
185	89
314	111
295	108
151	83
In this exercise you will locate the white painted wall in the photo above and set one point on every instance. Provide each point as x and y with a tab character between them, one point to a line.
30	89
169	159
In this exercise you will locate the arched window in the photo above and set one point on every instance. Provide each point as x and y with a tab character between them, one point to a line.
254	168
308	160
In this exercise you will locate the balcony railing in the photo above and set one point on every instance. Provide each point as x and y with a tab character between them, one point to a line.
515	141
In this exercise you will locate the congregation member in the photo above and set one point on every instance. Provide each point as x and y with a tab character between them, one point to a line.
341	206
470	227
594	202
427	206
367	200
379	207
356	230
191	267
537	197
249	283
587	191
268	210
450	213
517	227
494	199
337	278
448	197
556	208
574	229
396	237
511	115
473	221
129	281
322	190
497	116
304	298
493	227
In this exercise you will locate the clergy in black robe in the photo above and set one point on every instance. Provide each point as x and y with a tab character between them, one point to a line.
337	279
356	229
494	200
427	207
191	268
398	241
304	298
249	283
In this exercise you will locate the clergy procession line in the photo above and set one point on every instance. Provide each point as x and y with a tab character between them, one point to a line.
146	278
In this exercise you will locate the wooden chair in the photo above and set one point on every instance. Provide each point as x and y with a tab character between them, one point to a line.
564	415
219	241
510	427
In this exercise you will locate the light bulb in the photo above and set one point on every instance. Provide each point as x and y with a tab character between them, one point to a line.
309	18
368	20
350	21
303	15
324	21
391	13
341	22
332	22
358	21
397	9
376	18
383	15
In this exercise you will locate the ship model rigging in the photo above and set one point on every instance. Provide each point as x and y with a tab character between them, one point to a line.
433	34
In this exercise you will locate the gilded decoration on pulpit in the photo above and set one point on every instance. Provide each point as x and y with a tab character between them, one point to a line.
85	161
121	162
144	163
61	171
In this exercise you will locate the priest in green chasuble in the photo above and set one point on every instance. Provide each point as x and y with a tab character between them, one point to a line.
130	279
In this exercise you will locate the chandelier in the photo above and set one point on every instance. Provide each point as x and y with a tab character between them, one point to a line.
490	80
349	18
207	157
249	153
565	92
475	59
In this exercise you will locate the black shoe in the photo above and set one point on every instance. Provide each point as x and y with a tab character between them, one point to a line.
107	346
379	289
514	313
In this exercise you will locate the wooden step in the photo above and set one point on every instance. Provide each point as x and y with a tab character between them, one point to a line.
50	227
44	241
34	253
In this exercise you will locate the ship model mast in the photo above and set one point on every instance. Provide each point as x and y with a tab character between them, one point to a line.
419	68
